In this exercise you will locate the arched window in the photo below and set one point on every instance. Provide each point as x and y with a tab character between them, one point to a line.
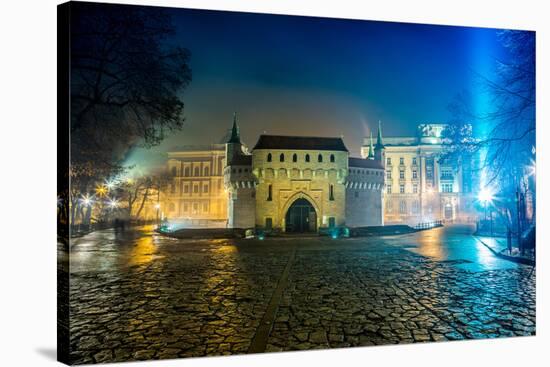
332	158
206	171
187	172
269	157
320	158
197	171
171	207
331	193
174	171
307	157
282	158
294	158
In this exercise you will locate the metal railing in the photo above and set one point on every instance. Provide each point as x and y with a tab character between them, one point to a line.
428	225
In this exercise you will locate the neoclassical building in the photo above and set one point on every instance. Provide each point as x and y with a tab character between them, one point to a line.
299	184
422	186
196	193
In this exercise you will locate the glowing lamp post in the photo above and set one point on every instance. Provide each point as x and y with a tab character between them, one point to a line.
486	197
157	207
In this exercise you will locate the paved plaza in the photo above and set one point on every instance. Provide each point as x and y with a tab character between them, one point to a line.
137	295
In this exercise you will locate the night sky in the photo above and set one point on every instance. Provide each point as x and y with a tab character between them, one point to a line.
320	77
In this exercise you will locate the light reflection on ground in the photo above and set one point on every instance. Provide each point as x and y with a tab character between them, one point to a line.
453	244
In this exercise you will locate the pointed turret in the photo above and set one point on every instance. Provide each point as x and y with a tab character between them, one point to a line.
379	143
371	149
379	149
235	135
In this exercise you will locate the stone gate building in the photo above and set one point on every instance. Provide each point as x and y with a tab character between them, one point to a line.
299	184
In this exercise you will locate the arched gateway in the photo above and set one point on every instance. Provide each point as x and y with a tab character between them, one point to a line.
301	217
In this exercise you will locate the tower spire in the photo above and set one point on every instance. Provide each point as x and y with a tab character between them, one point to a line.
235	134
379	143
371	150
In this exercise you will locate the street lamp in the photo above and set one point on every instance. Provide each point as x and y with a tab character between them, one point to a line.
157	207
86	200
113	203
486	197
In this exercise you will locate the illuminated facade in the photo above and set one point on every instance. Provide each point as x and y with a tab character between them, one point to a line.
196	192
420	186
300	184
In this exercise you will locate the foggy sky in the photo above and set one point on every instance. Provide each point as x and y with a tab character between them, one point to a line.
319	77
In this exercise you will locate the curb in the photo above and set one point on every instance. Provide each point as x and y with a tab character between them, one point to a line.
519	260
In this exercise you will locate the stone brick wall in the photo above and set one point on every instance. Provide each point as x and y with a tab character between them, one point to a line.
241	187
291	180
364	197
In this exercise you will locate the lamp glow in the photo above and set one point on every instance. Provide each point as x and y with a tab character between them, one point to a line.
485	196
113	203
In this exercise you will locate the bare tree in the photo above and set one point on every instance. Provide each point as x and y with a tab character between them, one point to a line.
507	148
127	77
510	138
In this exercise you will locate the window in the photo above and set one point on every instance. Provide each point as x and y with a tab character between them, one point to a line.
294	158
388	175
186	189
414	161
401	189
388	189
320	158
401	161
196	189
268	223
174	171
356	194
401	174
446	174
331	192
447	187
206	171
307	157
205	207
205	189
331	222
332	158
171	207
402	207
416	207
173	189
388	161
197	171
269	157
415	174
269	193
282	158
415	189
195	208
187	172
185	207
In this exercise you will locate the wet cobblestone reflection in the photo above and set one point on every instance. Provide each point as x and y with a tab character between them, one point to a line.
139	296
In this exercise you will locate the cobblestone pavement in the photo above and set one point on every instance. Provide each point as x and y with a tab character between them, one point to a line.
140	296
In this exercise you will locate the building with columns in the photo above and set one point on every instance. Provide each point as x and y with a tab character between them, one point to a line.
300	184
421	186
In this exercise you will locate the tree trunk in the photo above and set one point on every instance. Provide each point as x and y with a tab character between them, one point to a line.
142	202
